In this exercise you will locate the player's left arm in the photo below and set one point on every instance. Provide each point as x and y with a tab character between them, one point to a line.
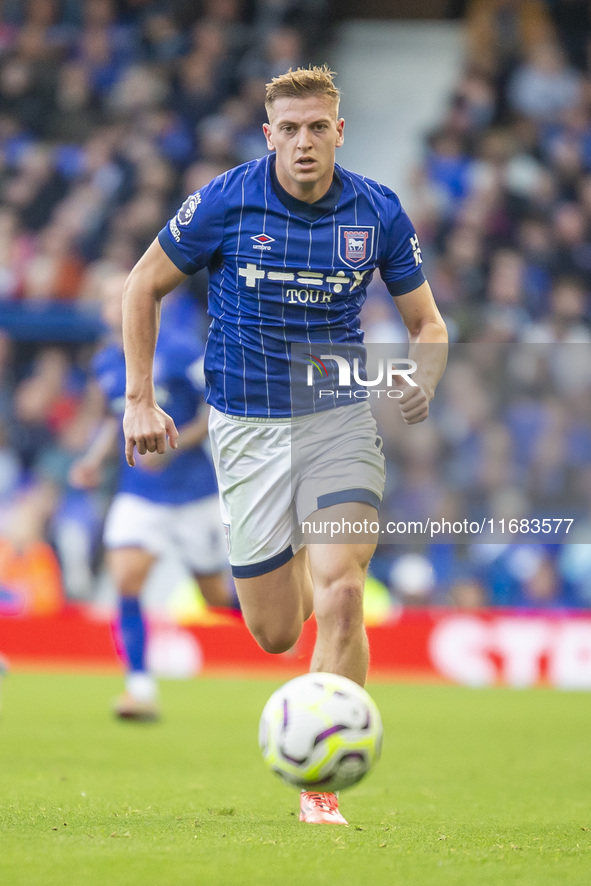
427	334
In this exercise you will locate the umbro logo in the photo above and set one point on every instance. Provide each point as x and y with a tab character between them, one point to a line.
262	241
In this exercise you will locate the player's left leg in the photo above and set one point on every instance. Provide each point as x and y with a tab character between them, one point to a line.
342	476
339	571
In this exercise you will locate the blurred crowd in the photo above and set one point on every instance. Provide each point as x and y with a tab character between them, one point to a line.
111	112
507	449
502	205
503	196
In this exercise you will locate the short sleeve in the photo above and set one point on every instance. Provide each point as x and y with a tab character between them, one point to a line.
194	234
401	266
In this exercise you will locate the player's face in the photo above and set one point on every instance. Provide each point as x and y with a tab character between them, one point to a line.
304	133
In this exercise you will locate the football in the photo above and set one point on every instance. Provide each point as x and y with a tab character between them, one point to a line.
320	732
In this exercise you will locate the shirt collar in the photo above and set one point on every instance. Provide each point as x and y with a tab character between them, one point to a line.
308	211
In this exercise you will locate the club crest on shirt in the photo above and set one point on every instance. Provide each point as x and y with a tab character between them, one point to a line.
187	210
355	244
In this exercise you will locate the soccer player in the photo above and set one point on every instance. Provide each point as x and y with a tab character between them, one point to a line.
167	504
291	242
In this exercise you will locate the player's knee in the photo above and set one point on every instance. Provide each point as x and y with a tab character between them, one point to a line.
339	606
275	638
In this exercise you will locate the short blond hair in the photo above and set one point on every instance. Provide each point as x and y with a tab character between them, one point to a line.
301	83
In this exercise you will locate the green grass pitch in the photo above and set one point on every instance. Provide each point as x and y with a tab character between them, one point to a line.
474	787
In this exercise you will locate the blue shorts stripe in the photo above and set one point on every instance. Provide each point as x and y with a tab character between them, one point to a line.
366	496
264	566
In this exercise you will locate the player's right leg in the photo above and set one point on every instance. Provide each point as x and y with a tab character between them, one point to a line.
200	543
275	605
272	576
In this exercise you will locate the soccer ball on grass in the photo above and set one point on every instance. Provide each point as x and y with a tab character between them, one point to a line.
320	732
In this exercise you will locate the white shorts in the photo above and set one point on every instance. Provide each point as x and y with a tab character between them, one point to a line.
193	532
272	474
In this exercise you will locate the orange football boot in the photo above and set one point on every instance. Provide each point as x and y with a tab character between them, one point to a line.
320	808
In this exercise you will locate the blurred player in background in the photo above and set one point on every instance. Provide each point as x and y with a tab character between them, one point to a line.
168	504
291	242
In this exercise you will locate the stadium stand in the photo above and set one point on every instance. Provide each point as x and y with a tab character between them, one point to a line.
111	112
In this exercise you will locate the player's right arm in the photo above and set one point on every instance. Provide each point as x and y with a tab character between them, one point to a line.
146	426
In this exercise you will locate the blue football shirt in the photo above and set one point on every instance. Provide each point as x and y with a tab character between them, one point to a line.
189	475
283	271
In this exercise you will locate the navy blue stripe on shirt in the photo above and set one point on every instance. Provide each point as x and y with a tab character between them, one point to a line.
174	254
406	284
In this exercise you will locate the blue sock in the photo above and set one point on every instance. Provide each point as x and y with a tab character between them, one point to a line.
133	633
